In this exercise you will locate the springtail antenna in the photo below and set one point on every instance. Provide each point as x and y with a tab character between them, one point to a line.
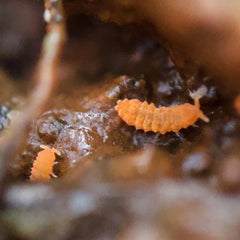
202	91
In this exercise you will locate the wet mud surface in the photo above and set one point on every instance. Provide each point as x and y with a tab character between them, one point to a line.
81	121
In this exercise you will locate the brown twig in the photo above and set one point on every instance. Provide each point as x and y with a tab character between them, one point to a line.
45	77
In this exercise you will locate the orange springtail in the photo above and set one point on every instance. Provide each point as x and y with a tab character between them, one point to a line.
43	165
164	119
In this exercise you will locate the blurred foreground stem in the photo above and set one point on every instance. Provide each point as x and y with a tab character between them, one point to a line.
45	78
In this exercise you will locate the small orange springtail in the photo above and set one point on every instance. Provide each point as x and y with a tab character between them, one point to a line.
43	165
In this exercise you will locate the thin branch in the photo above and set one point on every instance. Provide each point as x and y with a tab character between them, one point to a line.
45	78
